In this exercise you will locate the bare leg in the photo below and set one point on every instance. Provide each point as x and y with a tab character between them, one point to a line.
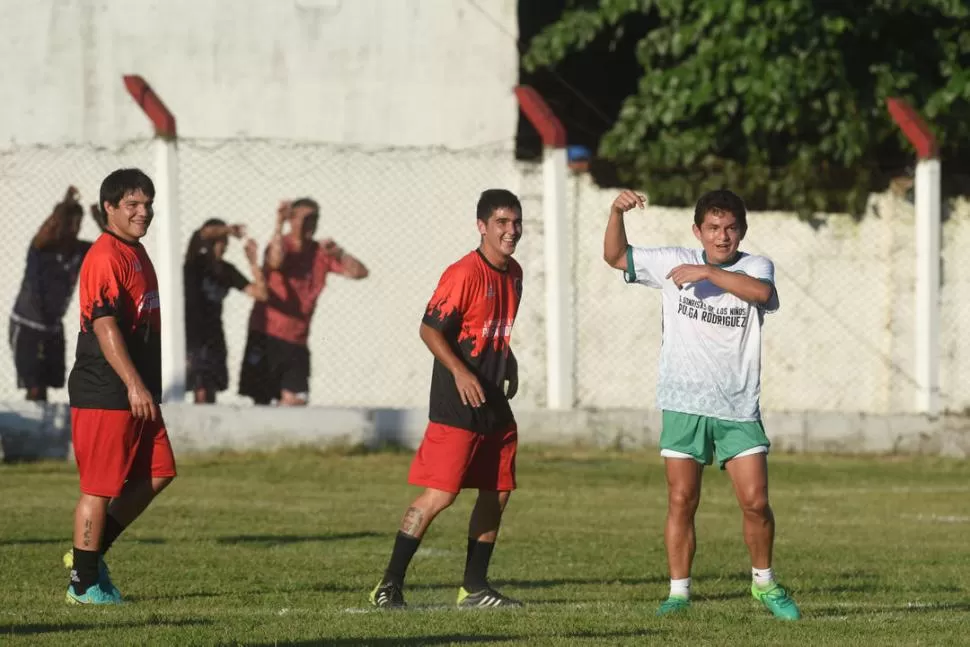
135	498
683	496
423	511
204	396
37	394
89	518
487	515
482	532
749	475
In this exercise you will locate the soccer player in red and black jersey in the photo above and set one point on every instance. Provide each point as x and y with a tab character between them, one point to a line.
471	439
276	362
120	444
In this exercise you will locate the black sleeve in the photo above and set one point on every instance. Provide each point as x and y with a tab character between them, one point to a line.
235	277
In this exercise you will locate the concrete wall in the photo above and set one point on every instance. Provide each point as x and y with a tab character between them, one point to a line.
370	72
29	431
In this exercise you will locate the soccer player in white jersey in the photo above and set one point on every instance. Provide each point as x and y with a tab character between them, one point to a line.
714	304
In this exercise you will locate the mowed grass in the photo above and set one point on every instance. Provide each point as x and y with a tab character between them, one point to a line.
283	548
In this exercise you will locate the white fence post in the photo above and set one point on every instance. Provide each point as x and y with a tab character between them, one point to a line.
167	229
168	265
560	343
560	322
926	304
928	231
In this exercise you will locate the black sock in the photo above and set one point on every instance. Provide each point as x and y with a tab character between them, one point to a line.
84	575
476	565
404	548
111	531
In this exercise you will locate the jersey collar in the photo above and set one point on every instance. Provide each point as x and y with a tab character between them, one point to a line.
734	260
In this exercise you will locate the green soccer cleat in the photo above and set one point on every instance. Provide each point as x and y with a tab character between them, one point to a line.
387	595
673	605
487	598
94	595
104	574
777	600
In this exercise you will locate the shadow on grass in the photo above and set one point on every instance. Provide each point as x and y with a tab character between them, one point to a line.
417	641
557	582
331	587
837	611
180	596
66	540
11	629
280	540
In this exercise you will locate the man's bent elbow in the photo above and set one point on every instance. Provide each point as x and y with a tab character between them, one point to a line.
616	261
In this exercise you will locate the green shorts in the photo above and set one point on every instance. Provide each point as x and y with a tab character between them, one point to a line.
685	435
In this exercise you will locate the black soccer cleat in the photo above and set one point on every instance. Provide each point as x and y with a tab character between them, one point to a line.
487	598
387	595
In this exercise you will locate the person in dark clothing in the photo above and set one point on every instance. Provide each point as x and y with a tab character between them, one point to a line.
36	334
208	279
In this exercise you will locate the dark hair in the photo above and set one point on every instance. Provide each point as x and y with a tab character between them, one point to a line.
199	246
493	199
122	182
305	202
59	224
722	200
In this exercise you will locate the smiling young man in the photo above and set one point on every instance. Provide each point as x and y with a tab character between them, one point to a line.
121	447
714	303
471	439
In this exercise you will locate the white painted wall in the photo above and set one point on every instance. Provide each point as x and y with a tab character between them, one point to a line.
370	72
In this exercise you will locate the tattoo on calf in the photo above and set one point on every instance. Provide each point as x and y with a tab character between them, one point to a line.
88	526
413	520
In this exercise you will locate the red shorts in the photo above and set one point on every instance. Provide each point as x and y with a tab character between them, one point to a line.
112	446
450	459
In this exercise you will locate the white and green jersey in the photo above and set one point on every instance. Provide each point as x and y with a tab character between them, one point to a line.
710	357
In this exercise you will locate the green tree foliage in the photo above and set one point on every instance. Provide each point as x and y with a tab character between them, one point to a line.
782	100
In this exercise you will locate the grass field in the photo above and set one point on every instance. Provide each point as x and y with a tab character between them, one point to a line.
282	549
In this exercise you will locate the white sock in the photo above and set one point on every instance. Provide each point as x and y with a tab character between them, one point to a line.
762	576
680	588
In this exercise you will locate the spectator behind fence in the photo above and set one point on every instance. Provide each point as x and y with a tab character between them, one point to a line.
208	279
36	334
276	364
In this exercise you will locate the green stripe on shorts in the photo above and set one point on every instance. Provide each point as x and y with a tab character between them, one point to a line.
705	438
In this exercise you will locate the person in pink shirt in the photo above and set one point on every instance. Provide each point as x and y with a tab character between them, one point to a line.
276	364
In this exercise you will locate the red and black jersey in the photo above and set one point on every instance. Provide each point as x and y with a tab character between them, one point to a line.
474	306
117	280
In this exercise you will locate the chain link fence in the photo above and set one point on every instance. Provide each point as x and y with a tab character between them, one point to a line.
842	340
405	213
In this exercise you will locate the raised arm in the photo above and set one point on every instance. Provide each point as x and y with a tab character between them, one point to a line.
214	232
469	388
48	231
112	344
614	241
275	253
349	265
257	288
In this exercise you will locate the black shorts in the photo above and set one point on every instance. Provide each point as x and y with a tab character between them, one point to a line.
206	367
38	356
270	366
